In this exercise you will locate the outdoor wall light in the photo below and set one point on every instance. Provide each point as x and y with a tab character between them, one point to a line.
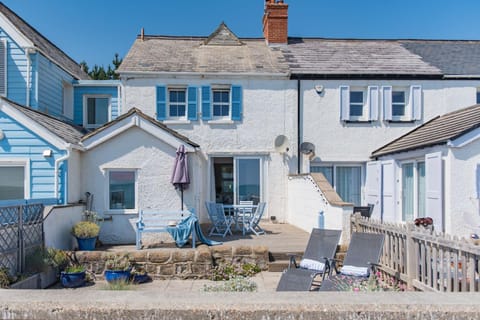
47	153
319	88
2	135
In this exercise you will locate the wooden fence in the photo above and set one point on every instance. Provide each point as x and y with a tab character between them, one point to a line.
423	259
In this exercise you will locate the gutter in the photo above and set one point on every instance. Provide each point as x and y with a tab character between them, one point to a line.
57	165
203	74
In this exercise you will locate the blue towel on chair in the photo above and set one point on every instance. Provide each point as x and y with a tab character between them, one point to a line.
182	231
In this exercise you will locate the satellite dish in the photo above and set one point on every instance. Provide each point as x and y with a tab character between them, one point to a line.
281	144
307	148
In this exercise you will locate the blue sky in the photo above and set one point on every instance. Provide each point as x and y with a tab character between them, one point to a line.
93	30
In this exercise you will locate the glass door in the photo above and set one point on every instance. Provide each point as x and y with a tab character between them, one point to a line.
247	180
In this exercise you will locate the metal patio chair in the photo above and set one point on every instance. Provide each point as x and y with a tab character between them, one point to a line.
221	224
321	248
362	256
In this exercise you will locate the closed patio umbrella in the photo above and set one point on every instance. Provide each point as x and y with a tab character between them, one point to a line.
180	178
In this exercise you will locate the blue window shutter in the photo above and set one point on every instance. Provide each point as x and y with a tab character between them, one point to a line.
161	103
416	102
387	102
206	103
373	102
236	103
344	103
192	103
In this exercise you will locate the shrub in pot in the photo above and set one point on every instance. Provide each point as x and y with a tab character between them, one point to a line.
73	276
86	233
117	268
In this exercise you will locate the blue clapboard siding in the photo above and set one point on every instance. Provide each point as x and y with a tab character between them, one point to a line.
79	91
16	70
50	80
22	143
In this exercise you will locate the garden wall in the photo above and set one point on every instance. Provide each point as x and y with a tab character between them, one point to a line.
178	263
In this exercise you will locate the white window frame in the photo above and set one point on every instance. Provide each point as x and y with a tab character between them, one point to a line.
222	88
107	191
179	88
407	106
334	167
365	111
85	109
415	163
20	162
477	97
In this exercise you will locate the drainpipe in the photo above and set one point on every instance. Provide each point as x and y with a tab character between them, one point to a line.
299	140
57	165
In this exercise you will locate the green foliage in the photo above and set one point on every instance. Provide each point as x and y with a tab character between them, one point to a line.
118	262
57	258
100	73
234	284
85	229
74	269
5	279
118	286
229	271
375	282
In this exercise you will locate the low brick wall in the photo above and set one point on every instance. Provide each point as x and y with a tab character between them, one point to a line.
176	263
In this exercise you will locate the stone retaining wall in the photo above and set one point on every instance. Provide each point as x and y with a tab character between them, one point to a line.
185	263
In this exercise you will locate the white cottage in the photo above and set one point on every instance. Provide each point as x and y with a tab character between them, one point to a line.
431	171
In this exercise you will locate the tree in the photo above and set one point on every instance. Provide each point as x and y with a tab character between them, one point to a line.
99	72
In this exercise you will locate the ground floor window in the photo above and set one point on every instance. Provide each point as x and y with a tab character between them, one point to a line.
237	179
12	182
122	189
413	190
346	180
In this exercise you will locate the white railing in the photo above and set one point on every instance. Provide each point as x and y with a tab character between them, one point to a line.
423	259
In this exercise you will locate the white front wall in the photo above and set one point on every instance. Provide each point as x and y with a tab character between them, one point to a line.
269	110
153	161
462	204
336	141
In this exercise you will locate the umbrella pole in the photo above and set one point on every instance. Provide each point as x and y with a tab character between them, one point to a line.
181	190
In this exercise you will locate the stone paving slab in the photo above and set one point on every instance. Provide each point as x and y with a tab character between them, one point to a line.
184	299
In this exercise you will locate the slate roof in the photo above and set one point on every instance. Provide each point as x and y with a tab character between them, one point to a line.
66	131
44	45
307	56
437	131
147	118
452	57
221	52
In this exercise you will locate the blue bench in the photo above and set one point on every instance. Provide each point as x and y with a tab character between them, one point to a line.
152	220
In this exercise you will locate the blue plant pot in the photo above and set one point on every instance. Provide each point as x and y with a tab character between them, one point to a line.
117	276
72	280
86	244
140	278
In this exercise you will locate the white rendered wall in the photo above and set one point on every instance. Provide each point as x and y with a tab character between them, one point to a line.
336	141
463	207
74	180
306	201
153	160
58	224
269	110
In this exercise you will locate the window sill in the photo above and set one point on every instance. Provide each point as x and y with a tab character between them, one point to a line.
176	121
221	122
121	211
358	121
400	121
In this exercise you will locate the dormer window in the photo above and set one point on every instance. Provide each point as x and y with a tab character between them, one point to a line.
96	111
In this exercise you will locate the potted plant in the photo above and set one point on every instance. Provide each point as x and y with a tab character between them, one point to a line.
73	276
118	268
139	274
86	233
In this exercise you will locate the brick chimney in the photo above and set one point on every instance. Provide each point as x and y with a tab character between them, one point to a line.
275	22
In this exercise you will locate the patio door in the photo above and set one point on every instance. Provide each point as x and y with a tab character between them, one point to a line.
237	179
247	180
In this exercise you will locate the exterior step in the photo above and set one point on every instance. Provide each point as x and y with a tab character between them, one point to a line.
278	266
